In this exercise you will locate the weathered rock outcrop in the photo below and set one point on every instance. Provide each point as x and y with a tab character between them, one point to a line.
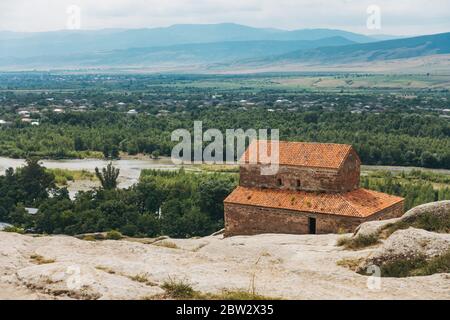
372	228
439	210
83	282
284	266
410	247
409	244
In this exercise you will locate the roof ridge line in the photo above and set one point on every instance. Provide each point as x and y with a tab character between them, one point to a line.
350	147
305	142
341	195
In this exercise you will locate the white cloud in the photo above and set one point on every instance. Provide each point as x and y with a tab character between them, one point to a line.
398	17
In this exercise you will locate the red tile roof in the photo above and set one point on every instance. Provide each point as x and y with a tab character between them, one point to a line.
318	155
359	203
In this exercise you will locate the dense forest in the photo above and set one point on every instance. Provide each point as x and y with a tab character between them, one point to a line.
417	187
390	138
386	126
174	203
60	116
162	203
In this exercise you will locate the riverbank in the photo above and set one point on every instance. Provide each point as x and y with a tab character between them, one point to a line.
130	170
132	166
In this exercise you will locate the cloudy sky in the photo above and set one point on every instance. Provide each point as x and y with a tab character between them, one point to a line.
399	17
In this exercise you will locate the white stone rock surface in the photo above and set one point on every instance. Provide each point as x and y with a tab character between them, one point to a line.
373	227
284	266
410	243
440	209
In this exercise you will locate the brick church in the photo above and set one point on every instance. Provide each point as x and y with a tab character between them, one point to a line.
315	191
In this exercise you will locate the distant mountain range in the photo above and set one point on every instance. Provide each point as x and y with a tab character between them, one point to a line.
183	54
203	46
366	52
64	42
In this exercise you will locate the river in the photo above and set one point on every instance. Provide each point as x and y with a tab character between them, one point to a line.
130	169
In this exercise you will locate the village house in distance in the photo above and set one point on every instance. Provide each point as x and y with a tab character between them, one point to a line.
316	191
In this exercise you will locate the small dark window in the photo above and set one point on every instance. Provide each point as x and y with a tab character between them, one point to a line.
299	183
280	183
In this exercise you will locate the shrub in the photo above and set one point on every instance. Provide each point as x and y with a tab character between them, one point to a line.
14	229
179	289
142	278
155	154
89	238
358	242
440	264
352	264
183	290
129	230
429	222
417	266
341	242
402	268
166	244
114	235
239	295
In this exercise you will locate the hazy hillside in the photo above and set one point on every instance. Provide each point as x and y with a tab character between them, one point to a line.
205	53
383	50
202	47
69	42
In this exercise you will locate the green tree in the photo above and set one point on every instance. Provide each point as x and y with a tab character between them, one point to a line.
212	193
20	217
114	152
429	160
79	144
155	154
106	151
108	176
35	182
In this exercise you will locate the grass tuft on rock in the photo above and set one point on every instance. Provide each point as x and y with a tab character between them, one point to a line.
143	278
114	235
238	295
440	264
166	244
358	242
352	264
89	238
428	221
417	266
180	290
38	259
14	229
